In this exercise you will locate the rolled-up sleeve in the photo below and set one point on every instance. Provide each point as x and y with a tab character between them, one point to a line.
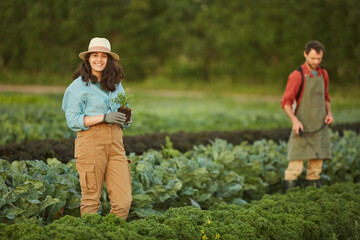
292	87
326	83
74	108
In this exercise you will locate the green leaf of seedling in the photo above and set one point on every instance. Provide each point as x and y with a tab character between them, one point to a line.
123	98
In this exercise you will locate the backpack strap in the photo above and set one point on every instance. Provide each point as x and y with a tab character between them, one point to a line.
302	83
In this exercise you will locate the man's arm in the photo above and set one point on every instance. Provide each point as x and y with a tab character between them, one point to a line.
328	118
296	124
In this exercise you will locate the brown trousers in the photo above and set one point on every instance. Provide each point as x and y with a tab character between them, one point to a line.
100	156
295	169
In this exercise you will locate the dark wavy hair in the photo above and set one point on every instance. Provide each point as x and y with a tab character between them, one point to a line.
111	76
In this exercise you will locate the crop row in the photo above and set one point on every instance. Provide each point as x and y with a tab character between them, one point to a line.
33	191
332	212
32	117
63	149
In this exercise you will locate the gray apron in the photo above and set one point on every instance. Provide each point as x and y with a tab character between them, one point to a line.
311	113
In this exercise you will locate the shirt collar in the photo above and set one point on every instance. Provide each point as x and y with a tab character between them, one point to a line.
307	72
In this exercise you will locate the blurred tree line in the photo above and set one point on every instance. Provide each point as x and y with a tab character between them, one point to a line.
258	41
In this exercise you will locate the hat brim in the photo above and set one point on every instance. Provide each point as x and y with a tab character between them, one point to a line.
114	55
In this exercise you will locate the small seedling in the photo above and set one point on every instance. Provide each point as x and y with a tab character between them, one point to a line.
123	99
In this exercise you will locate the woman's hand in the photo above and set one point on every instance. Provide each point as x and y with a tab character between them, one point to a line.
114	117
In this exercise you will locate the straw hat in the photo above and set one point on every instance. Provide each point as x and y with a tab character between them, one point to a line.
99	45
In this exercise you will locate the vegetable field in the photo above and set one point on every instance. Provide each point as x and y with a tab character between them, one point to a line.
218	188
27	117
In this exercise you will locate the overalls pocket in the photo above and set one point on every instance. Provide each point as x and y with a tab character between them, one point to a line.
87	177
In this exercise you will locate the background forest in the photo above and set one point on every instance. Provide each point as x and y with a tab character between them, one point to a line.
188	42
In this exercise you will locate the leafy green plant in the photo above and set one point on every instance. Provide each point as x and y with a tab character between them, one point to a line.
168	150
216	173
33	191
309	213
123	98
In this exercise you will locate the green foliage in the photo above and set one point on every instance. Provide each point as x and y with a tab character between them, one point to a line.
346	158
32	191
168	150
27	117
234	41
300	214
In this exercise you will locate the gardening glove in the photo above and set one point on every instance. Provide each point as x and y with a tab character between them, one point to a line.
114	117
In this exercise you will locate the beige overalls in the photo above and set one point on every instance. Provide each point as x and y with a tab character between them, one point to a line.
100	156
311	113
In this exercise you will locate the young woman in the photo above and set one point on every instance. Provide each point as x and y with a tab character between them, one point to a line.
99	149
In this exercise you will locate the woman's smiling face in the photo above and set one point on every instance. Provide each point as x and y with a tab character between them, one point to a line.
98	61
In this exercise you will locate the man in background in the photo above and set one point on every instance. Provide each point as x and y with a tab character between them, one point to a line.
307	103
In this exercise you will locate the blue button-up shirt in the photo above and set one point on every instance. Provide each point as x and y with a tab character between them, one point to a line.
80	100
